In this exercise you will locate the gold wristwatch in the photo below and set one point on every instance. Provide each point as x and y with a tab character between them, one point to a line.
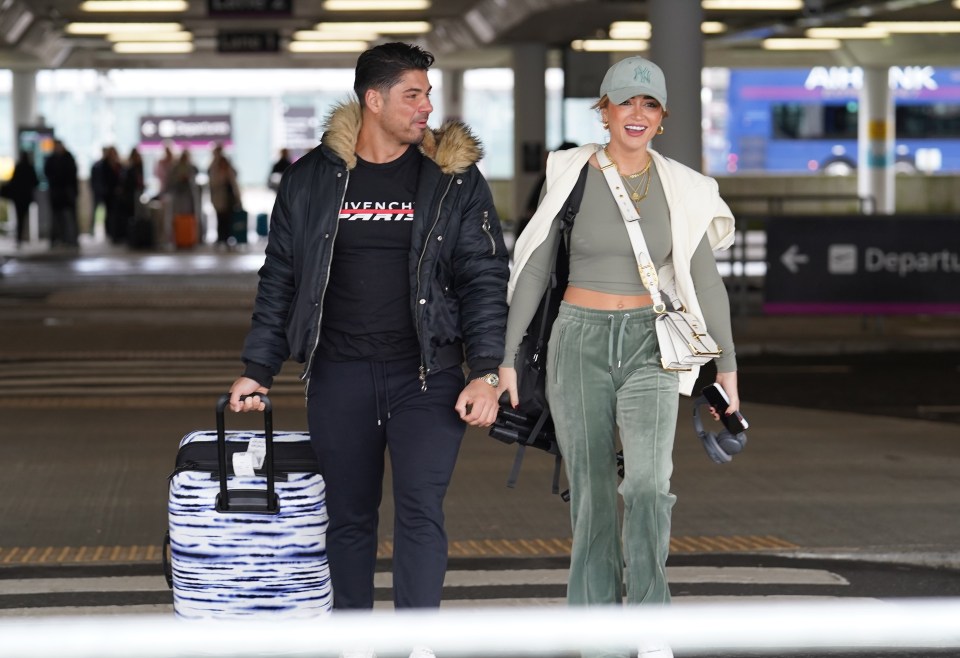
491	378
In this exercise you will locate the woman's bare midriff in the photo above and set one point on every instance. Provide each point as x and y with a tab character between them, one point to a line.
604	301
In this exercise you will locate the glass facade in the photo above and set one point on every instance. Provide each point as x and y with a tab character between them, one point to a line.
91	109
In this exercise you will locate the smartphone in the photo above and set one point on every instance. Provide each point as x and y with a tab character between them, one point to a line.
717	397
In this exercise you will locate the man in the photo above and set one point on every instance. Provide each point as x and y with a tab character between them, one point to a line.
60	168
385	266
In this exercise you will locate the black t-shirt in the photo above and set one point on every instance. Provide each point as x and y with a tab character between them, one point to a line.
366	308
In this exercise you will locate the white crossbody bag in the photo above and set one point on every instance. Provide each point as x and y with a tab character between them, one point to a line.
684	341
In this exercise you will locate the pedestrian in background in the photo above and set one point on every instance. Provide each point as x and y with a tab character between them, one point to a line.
604	374
98	187
131	187
21	190
280	166
224	192
414	281
183	192
60	169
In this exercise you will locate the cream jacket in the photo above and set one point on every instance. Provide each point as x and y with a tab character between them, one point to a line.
695	209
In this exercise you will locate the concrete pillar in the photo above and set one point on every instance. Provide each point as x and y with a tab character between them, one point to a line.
676	46
529	120
452	94
24	100
875	141
24	113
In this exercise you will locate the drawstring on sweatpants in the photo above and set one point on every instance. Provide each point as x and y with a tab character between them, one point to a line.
376	388
622	332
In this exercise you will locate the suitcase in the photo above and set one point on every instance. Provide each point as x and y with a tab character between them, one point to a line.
242	546
186	233
263	224
238	226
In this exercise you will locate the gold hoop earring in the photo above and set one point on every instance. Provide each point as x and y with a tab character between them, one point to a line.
660	129
605	125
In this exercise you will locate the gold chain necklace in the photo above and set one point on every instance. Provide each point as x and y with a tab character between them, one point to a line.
643	175
635	195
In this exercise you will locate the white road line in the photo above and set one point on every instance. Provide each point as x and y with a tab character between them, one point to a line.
507	577
69	585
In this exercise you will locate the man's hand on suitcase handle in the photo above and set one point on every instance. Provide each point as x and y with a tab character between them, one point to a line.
244	386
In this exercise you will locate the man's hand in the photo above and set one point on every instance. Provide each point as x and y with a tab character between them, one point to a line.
477	404
246	386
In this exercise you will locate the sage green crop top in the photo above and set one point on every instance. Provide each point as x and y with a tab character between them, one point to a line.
602	259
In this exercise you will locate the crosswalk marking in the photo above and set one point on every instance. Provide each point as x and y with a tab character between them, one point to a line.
463	587
454	578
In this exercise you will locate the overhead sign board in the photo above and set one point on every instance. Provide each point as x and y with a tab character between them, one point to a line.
301	129
267	41
842	264
249	7
193	130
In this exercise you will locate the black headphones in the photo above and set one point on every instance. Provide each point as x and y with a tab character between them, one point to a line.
720	447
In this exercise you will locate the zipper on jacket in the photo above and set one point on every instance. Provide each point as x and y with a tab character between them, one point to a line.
426	241
305	377
486	229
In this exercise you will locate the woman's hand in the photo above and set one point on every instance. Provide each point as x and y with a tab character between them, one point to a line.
728	382
508	382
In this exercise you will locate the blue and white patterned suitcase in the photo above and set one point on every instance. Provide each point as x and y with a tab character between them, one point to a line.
263	551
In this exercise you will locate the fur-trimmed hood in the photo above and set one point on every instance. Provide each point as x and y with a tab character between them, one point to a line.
452	146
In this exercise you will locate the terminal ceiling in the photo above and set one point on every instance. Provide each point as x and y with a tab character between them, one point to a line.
478	33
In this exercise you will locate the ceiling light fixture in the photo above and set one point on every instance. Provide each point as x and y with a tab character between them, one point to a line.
315	35
846	33
375	5
380	27
153	47
328	46
713	27
917	27
609	45
753	5
134	5
116	28
629	30
150	36
801	44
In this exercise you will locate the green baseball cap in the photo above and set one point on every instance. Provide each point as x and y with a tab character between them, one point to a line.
634	76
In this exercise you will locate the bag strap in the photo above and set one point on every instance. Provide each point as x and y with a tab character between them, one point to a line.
648	273
571	208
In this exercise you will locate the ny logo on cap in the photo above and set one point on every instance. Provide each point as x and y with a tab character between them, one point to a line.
642	74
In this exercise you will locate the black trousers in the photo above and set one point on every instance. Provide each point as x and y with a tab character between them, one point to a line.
357	411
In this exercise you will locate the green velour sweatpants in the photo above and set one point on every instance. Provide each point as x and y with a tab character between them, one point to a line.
604	374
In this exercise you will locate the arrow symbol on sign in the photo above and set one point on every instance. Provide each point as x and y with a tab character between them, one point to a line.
792	258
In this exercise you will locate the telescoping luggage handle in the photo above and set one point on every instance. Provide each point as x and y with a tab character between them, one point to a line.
255	501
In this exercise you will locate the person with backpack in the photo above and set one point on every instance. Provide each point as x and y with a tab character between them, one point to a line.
604	374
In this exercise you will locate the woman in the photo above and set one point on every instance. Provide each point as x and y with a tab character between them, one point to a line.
603	365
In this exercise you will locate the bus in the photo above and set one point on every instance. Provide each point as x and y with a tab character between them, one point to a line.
805	120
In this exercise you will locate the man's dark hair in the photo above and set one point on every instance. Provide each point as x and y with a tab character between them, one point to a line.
382	66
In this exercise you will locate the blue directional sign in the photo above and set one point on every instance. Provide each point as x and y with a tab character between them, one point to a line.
878	264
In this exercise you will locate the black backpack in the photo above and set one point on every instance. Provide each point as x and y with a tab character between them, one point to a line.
530	424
